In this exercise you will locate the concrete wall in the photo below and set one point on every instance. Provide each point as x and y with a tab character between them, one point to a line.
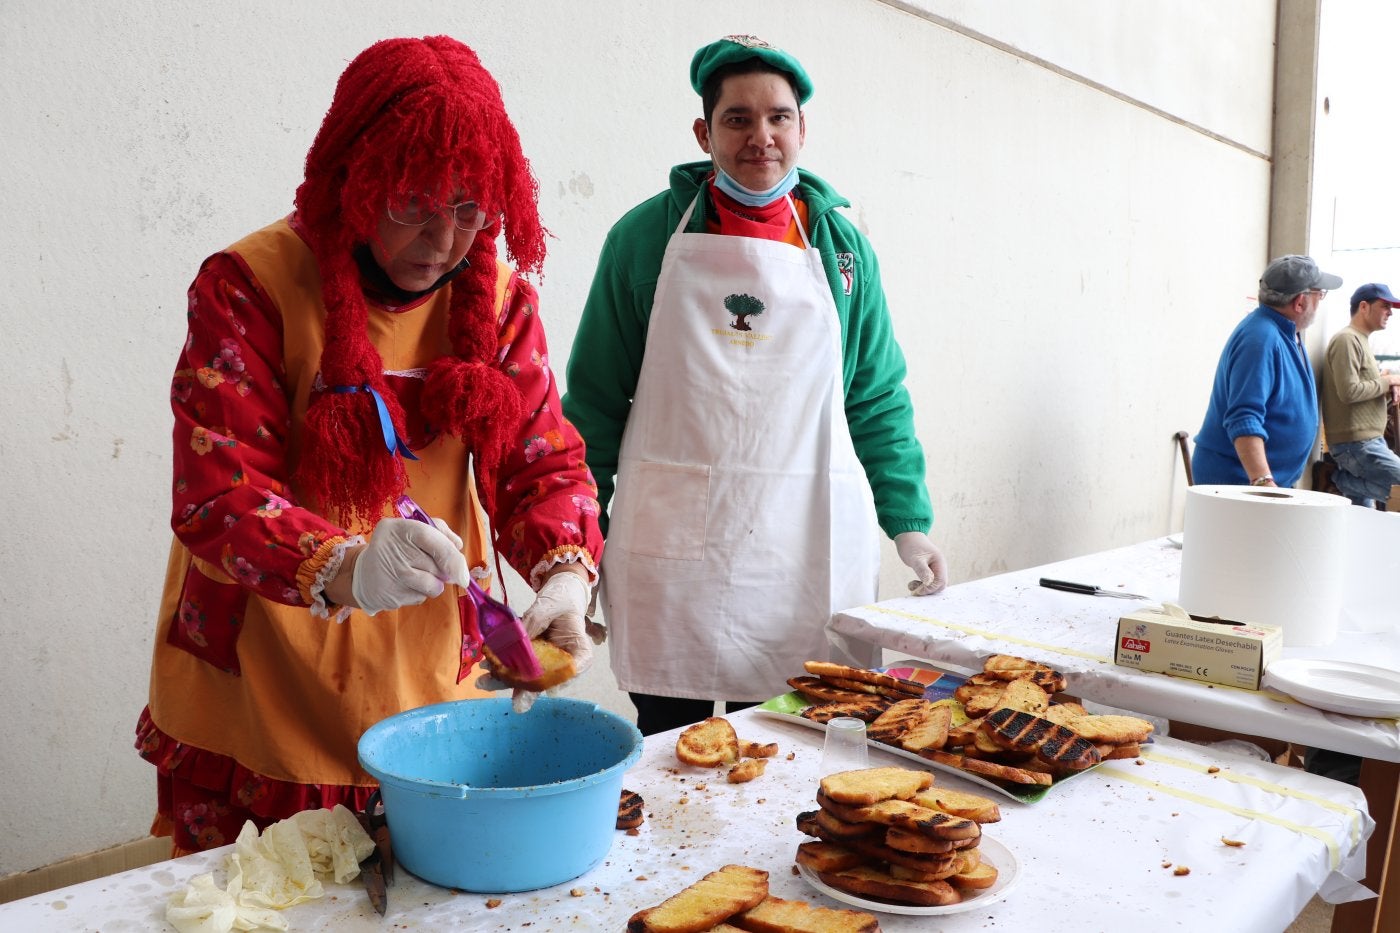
1070	202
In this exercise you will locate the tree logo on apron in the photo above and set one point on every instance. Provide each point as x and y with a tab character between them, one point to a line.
846	265
742	307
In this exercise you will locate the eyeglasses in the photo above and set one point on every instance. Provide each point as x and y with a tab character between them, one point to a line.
1321	293
466	215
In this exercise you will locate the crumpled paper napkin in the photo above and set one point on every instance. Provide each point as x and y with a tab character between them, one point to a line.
273	871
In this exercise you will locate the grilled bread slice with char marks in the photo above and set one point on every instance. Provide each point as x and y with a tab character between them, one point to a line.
867	709
629	809
830	670
819	691
1054	744
916	819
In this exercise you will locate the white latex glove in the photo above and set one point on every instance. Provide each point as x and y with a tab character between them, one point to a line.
405	563
926	560
557	616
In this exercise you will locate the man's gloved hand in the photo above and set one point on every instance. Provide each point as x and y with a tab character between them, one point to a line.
926	560
557	616
405	563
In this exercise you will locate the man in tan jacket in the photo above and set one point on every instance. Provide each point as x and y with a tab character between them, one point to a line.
1354	397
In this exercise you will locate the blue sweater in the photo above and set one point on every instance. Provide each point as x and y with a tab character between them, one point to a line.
1263	387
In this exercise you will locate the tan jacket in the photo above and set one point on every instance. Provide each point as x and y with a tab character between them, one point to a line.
1353	392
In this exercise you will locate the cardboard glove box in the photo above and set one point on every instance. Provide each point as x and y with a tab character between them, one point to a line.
1169	641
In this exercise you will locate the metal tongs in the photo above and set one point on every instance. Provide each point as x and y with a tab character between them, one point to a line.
1086	589
377	870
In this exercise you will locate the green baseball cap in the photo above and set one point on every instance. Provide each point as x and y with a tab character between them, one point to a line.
740	48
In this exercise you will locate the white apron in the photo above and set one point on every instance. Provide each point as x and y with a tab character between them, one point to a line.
742	518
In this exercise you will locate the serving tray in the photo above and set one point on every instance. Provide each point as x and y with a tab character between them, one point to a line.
938	687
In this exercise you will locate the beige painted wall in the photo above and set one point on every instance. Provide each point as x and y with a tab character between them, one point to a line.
1070	203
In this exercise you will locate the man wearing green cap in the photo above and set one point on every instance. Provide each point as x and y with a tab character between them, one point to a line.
736	375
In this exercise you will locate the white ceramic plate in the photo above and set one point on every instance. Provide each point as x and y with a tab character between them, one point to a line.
1338	686
1008	873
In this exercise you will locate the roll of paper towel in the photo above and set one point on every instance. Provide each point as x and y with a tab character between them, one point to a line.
1266	556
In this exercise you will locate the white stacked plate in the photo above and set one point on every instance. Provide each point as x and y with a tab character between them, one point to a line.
1338	686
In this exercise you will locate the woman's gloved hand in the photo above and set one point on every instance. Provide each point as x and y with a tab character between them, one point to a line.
926	560
556	615
405	563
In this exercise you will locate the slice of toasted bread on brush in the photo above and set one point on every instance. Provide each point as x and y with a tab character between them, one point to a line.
556	664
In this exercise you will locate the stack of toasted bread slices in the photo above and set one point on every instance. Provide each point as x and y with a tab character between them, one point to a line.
736	898
888	833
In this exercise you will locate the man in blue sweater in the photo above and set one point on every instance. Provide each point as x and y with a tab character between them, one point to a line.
1262	420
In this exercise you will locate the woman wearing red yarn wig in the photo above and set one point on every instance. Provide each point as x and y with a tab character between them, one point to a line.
366	348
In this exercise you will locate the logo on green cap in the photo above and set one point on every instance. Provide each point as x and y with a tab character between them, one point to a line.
748	42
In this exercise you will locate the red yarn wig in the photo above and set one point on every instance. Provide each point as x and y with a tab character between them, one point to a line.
419	116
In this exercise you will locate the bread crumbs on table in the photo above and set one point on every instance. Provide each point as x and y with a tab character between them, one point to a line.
791	756
634	831
641	878
1212	770
1139	762
684	800
1181	870
701	786
1166	864
1235	843
576	892
493	903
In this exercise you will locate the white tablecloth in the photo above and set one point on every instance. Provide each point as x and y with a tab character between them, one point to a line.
1075	634
1091	853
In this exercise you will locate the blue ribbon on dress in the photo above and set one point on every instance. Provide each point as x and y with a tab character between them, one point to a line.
392	440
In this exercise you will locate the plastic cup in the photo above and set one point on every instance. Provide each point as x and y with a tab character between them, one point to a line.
845	748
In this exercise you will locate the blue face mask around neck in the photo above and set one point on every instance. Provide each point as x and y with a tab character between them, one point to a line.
755	198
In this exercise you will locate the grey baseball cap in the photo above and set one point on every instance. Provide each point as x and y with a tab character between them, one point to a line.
1293	275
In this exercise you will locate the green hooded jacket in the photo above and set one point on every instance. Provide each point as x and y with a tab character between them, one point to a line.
606	359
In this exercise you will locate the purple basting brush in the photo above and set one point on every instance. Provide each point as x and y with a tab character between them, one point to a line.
500	627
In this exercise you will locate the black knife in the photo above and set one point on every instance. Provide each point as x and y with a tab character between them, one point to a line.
1086	589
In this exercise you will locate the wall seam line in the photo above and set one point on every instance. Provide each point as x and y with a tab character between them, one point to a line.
919	12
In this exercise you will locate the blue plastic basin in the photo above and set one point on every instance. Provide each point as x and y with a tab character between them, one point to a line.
484	799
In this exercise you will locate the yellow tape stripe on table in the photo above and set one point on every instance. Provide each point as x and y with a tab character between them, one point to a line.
1322	835
992	636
